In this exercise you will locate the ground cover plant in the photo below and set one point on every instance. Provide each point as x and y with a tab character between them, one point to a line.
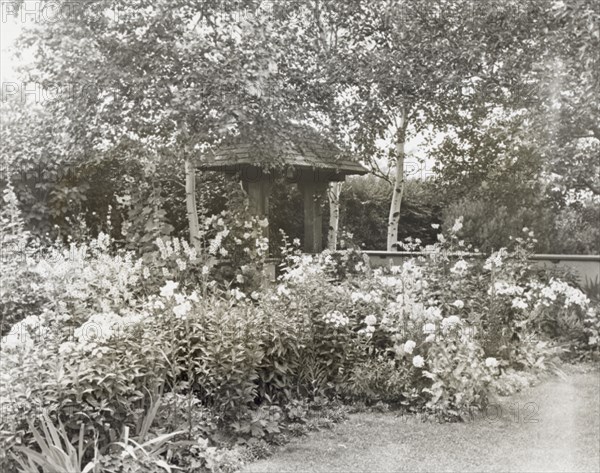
161	362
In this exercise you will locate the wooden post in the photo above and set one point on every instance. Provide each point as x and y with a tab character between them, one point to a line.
313	193
258	187
258	193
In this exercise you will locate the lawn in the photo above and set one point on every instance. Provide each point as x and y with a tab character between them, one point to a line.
554	426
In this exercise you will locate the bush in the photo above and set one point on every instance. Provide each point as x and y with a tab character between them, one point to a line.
577	229
238	365
365	206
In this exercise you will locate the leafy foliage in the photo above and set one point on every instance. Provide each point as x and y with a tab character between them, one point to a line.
116	334
365	205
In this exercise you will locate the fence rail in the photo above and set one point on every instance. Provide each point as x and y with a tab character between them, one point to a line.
587	267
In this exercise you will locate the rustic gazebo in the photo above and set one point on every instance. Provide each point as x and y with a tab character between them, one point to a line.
308	160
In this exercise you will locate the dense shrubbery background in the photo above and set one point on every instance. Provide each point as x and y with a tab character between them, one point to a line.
136	208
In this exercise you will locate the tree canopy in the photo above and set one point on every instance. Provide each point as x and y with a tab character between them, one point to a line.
130	91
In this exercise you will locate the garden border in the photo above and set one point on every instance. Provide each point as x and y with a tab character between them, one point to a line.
586	266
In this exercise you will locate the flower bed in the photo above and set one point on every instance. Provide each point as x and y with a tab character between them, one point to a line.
123	348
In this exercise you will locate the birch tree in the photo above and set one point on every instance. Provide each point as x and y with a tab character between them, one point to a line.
166	81
420	64
333	193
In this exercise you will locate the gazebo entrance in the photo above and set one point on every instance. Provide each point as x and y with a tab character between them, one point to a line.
312	165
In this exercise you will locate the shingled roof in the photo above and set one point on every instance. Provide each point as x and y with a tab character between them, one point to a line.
307	152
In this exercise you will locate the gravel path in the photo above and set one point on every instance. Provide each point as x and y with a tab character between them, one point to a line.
549	428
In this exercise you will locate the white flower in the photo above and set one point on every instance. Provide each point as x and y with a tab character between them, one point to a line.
441	238
66	348
336	318
435	226
491	362
99	327
370	320
418	361
519	303
429	328
168	289
458	304
548	293
450	322
505	289
409	346
525	229
182	309
240	279
239	295
458	224
433	313
15	341
460	267
496	259
282	290
223	252
31	322
430	338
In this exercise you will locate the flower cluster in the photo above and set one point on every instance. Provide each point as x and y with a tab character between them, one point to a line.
449	323
502	288
572	296
496	259
460	267
418	361
409	346
336	318
303	268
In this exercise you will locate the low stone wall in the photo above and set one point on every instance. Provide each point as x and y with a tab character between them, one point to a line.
587	267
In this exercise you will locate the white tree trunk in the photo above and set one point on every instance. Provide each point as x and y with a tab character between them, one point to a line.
190	203
335	188
394	217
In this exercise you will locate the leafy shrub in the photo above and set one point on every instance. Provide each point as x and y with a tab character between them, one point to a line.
459	378
365	205
18	294
437	334
382	379
577	229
